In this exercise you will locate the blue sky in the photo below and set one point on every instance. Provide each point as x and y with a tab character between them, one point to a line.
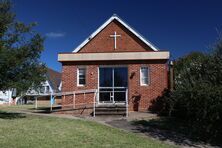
178	26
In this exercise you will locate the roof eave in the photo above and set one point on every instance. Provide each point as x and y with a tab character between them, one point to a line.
129	56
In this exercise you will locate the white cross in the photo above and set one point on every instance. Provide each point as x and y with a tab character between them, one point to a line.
115	36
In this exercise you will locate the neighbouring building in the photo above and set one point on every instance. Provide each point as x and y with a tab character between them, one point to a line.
43	93
6	97
125	68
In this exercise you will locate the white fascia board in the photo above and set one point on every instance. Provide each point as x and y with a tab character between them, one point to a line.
124	24
113	56
137	34
93	35
60	86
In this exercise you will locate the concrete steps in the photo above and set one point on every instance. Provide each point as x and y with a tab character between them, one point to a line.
110	110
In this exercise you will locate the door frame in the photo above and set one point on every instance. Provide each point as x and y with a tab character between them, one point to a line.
111	66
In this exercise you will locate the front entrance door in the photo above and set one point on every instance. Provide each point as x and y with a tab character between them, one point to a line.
113	84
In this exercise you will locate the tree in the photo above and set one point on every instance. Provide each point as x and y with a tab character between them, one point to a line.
20	50
197	98
188	70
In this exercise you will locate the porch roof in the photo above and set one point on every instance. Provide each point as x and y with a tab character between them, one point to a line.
114	56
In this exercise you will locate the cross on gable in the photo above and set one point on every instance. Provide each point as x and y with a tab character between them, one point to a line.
115	37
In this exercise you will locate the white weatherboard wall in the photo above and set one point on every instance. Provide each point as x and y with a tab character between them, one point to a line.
43	86
5	96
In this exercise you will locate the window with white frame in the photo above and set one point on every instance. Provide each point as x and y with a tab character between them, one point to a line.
47	89
144	76
81	76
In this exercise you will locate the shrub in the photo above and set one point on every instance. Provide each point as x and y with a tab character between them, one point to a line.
197	98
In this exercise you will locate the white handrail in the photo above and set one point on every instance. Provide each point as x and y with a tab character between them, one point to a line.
74	100
95	91
94	104
61	93
84	92
127	111
77	92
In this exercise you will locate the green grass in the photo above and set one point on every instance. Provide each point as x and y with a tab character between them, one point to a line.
21	107
20	130
26	108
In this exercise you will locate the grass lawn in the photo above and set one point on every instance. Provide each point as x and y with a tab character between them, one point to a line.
29	108
20	130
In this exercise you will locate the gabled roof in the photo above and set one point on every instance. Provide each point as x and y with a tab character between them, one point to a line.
115	17
54	78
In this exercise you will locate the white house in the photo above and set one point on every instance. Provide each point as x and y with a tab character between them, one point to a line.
51	85
5	97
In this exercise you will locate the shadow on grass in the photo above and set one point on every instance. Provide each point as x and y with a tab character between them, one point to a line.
8	115
45	110
168	129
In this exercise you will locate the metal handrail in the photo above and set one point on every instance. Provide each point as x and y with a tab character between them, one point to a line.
95	91
126	101
127	111
110	91
74	93
77	92
112	87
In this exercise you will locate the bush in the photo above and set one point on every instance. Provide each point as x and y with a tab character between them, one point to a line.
197	98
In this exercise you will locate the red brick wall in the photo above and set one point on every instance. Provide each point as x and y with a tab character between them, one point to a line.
69	83
140	97
69	77
128	42
102	42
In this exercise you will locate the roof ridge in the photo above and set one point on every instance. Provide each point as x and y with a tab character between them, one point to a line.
52	69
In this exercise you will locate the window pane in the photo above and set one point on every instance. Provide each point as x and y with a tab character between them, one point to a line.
144	76
47	89
145	81
81	71
82	76
120	77
42	89
82	81
105	77
144	72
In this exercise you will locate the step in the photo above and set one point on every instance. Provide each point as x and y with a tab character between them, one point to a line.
111	105
110	109
110	113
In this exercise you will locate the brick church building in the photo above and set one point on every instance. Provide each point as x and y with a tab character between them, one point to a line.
124	67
